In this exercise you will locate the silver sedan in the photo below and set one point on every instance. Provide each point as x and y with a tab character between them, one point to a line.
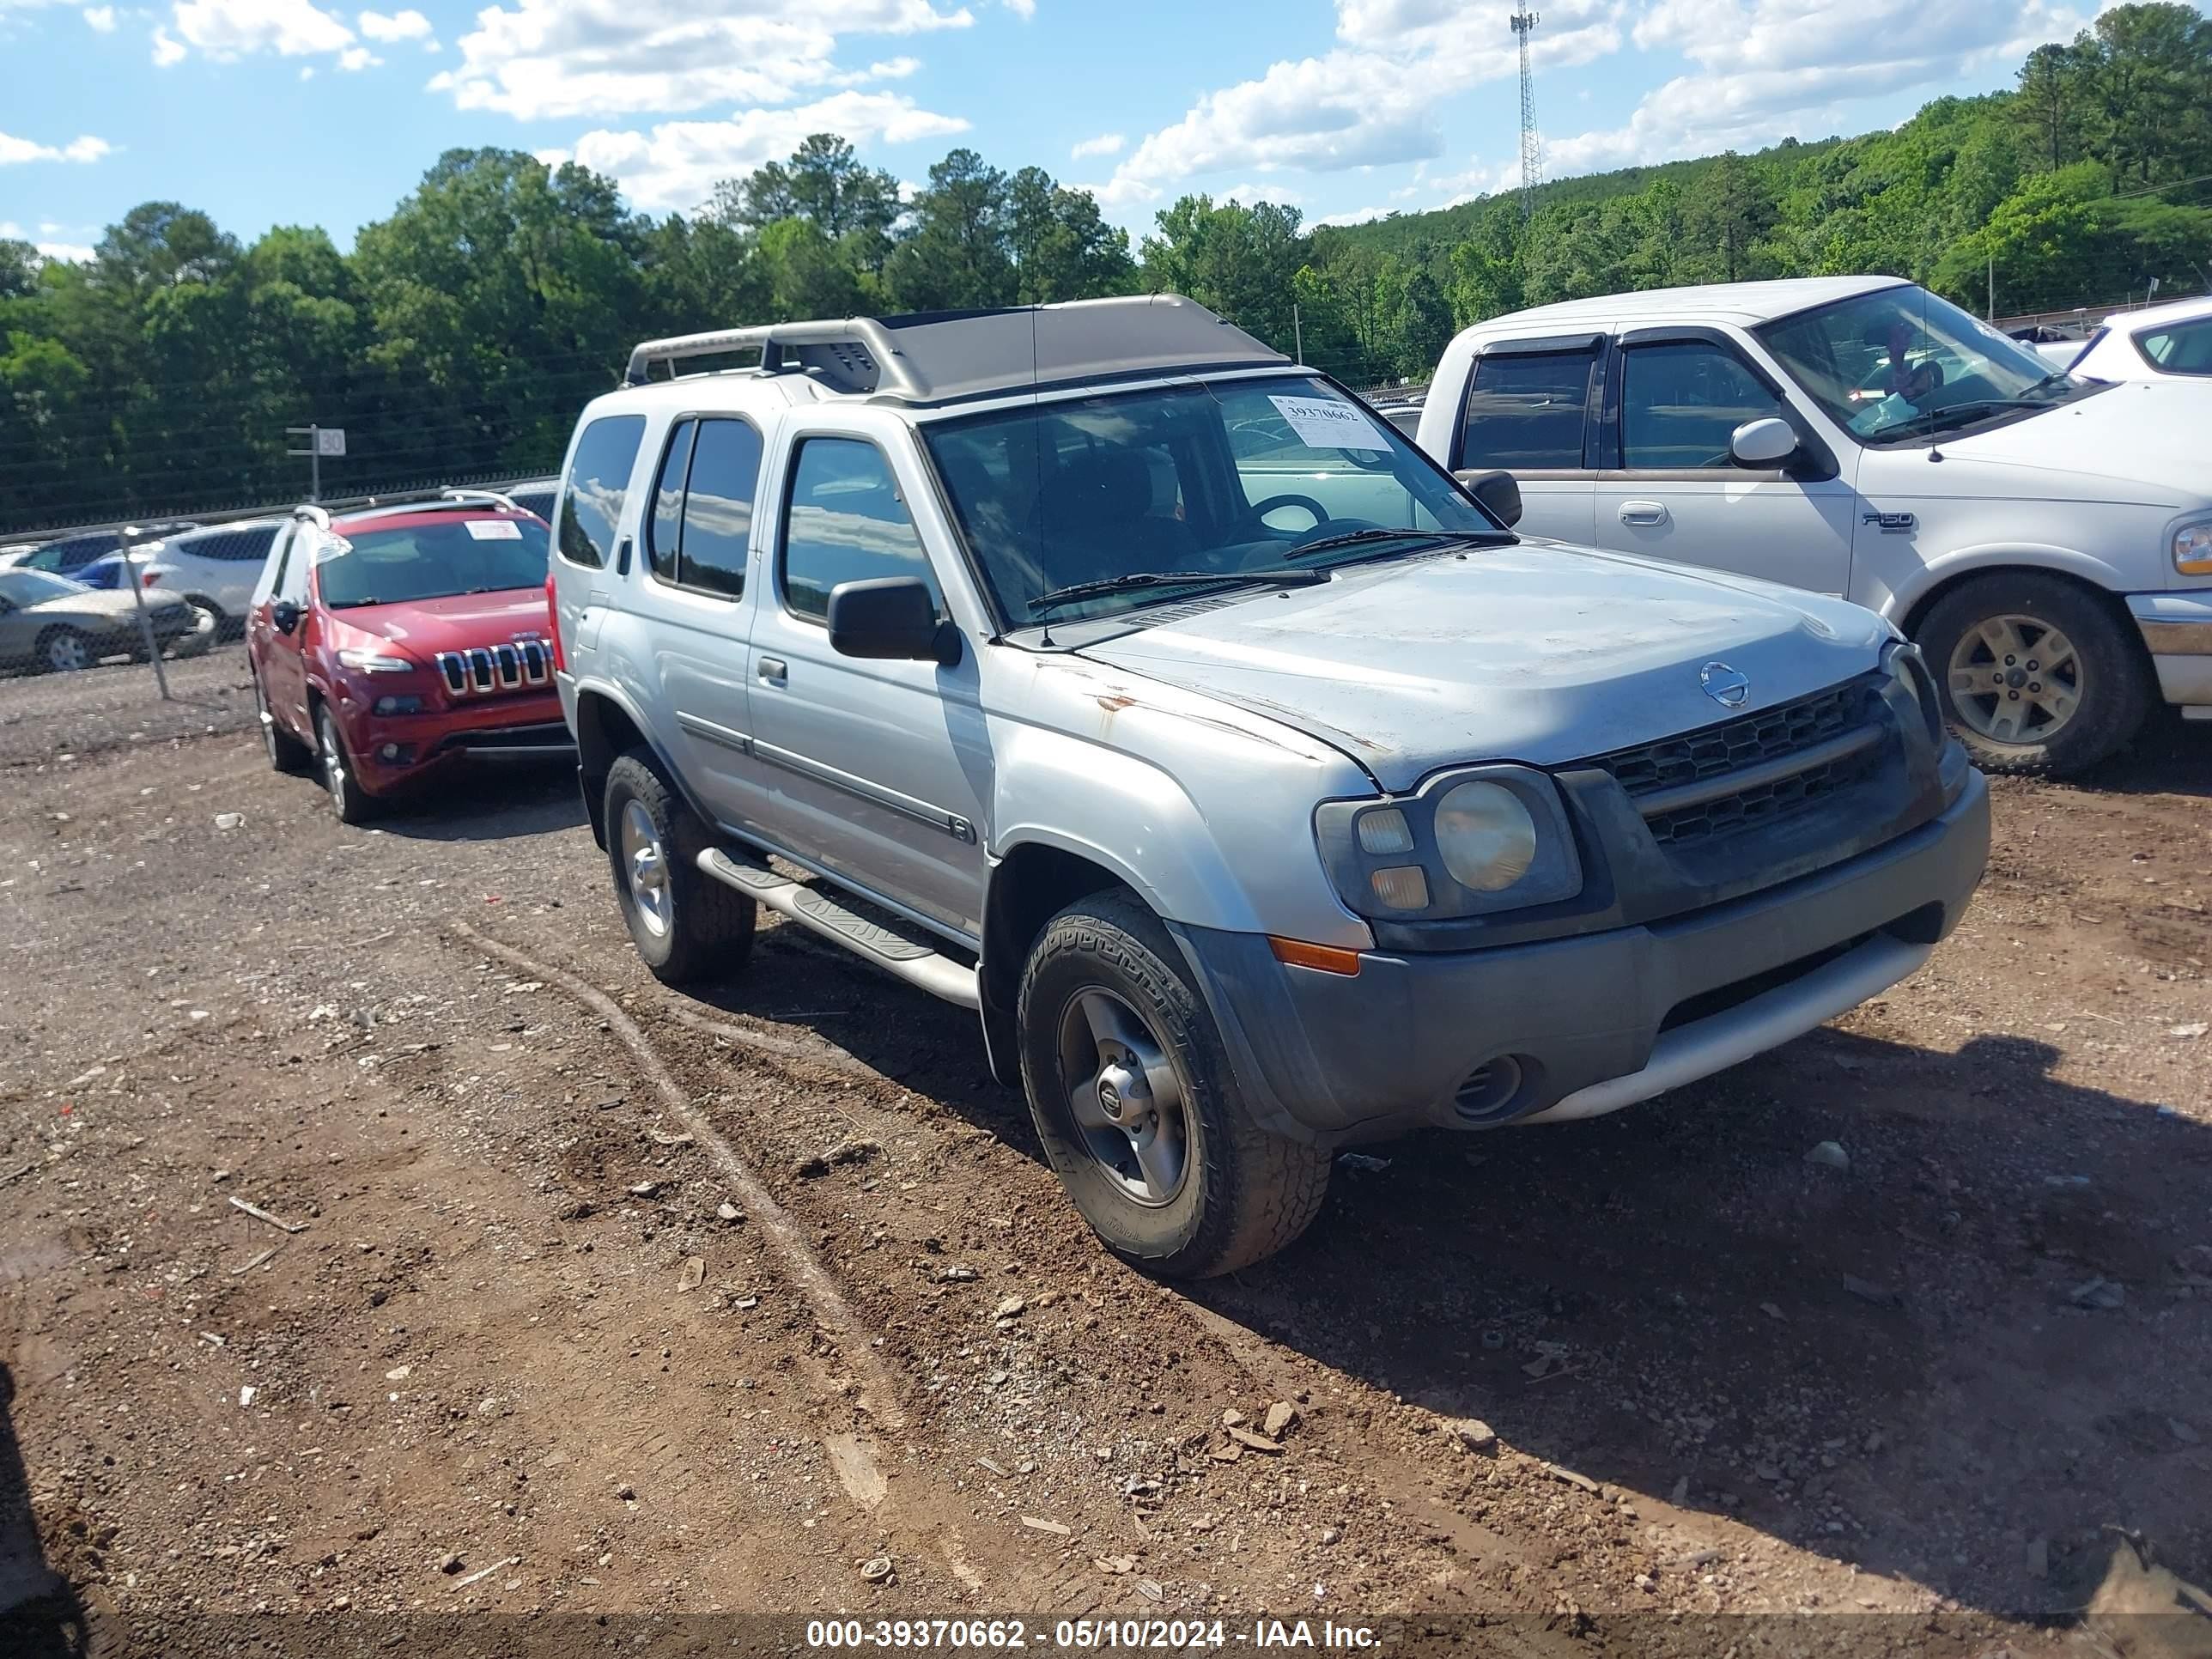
50	624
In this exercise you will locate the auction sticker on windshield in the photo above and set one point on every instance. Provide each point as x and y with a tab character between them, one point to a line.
495	529
1323	423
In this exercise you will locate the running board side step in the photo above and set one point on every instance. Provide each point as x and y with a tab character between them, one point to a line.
896	955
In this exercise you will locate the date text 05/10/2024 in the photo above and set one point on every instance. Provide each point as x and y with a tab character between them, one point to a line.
998	1635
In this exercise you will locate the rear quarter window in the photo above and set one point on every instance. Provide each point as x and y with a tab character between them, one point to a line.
598	480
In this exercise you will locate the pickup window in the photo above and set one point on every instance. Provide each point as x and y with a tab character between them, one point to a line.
1525	411
1680	405
845	522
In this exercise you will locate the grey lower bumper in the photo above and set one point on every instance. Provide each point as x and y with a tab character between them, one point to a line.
2177	630
1588	1022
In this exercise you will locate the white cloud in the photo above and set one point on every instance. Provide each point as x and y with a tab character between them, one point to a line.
1357	216
1252	195
678	163
14	150
1768	70
1371	101
74	253
1023	10
306	71
354	59
167	50
223	29
409	25
101	18
539	60
1106	144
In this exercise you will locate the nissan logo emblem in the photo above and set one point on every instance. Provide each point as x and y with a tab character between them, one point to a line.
1724	684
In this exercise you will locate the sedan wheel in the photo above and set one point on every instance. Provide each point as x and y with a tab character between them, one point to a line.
66	651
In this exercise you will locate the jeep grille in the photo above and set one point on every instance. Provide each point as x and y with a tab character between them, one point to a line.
488	670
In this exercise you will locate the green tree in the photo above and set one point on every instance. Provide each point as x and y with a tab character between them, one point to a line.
961	253
1061	247
1240	261
825	182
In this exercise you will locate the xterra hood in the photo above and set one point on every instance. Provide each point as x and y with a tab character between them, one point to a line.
1537	653
2142	441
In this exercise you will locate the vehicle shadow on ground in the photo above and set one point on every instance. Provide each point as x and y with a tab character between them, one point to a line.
493	802
1957	1361
2173	756
40	1613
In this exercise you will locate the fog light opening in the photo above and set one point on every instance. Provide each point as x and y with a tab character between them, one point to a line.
1491	1092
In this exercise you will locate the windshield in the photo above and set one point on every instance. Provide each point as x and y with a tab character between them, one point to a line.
30	587
431	560
1155	492
1899	364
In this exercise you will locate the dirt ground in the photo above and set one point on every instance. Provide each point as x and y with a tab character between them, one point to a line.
563	1294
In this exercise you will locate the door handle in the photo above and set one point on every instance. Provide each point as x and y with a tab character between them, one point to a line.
772	670
622	557
1644	513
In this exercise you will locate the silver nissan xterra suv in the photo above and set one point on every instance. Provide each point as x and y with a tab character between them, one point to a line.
1097	668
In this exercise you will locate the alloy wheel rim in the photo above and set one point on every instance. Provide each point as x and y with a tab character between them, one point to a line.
334	770
2016	679
66	653
1127	1098
645	868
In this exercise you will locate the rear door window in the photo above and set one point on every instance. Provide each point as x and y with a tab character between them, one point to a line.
718	506
2183	349
597	482
1525	410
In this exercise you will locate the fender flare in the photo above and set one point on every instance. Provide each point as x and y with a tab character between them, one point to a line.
1912	598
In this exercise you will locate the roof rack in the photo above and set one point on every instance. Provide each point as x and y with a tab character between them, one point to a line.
936	356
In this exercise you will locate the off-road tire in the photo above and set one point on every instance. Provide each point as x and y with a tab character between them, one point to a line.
2117	685
286	753
1249	1192
352	803
709	935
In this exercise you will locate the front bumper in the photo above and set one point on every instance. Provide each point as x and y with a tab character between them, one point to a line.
393	750
1570	1027
2177	630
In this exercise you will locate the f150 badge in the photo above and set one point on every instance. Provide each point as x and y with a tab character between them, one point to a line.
1890	523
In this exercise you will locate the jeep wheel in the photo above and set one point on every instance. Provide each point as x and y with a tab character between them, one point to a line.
1134	1101
2038	674
687	926
286	752
352	803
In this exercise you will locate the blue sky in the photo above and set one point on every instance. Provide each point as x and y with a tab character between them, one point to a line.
282	112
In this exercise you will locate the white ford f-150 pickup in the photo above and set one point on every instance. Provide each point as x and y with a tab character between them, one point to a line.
2047	541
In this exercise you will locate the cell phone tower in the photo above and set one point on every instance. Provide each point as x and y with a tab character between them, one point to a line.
1532	149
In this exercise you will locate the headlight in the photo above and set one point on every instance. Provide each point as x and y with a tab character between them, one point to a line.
2192	549
1468	842
1485	836
376	662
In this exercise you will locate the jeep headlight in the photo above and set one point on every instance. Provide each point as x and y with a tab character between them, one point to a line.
2192	549
1468	843
1485	836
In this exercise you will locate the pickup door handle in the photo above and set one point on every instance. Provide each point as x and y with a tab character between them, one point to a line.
772	670
1645	513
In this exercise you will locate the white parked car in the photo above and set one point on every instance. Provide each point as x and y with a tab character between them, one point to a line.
2046	540
2165	340
215	568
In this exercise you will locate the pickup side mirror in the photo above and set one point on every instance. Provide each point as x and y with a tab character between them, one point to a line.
890	618
286	614
1763	443
1499	491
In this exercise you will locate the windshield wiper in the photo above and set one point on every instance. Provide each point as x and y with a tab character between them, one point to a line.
1380	533
1136	580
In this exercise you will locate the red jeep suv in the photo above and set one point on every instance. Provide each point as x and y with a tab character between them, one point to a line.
391	641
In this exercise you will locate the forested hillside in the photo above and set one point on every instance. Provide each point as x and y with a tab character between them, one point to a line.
460	335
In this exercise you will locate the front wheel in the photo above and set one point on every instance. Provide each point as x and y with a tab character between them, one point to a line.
1136	1106
2038	674
687	926
65	651
352	803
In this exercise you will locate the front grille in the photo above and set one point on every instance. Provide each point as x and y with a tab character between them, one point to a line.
488	670
1653	773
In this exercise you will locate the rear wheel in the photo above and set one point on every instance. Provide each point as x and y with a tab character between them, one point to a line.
687	926
286	752
1136	1106
2038	675
352	803
65	651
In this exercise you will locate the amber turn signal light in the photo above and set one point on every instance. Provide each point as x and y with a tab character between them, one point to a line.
1327	958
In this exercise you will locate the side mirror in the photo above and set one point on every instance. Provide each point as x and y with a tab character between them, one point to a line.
285	615
1763	443
890	618
1499	491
